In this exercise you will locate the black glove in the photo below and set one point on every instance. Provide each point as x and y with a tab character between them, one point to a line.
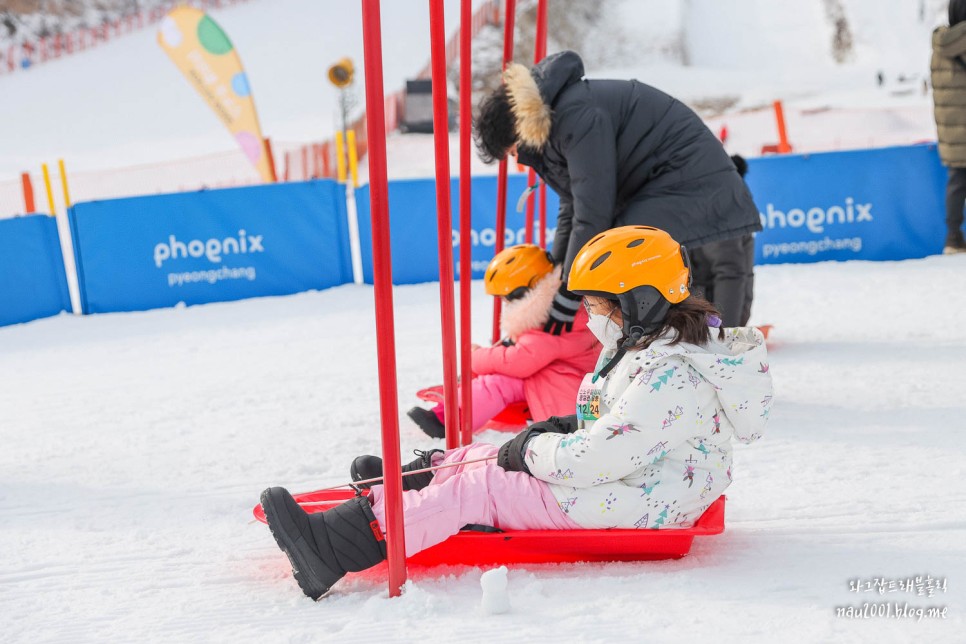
563	311
560	424
511	455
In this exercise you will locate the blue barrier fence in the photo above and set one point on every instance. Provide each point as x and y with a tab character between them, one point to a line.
412	227
210	246
33	283
884	204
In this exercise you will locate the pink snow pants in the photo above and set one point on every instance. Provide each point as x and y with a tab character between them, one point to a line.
491	393
482	493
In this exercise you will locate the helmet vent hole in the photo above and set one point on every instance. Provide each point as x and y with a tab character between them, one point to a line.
511	260
636	242
600	260
492	275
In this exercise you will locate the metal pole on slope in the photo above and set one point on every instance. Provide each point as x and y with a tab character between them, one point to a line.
540	54
50	191
28	194
444	218
382	282
539	51
509	18
466	249
783	146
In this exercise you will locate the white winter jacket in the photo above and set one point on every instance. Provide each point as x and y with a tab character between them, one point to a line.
660	452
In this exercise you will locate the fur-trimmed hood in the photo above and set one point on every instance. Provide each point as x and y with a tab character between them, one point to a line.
532	310
532	93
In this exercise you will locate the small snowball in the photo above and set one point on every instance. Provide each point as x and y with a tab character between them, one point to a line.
495	598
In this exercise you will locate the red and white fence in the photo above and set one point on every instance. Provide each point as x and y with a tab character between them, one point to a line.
32	52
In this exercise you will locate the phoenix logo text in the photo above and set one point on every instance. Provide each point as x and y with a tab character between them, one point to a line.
212	249
816	219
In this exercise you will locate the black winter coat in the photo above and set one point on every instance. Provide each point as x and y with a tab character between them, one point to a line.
620	152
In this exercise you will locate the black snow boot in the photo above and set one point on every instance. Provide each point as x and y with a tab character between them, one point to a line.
427	421
323	547
370	467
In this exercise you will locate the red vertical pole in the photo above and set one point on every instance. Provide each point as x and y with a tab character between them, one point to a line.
382	287
444	219
783	145
543	215
466	244
508	21
531	202
540	44
28	194
539	53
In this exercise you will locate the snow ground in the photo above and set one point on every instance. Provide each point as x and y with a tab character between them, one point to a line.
135	446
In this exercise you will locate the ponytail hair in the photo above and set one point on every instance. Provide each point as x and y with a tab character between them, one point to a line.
686	321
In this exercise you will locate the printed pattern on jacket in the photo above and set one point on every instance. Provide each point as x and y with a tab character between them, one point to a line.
660	453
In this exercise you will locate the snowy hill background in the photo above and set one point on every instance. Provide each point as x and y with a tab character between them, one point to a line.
126	122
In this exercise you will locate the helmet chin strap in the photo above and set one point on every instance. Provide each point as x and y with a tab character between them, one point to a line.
627	341
651	322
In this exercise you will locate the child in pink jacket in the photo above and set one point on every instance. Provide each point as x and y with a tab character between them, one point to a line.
529	365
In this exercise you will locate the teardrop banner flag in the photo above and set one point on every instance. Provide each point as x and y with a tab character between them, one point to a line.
205	55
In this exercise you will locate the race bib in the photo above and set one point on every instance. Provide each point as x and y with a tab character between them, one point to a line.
588	402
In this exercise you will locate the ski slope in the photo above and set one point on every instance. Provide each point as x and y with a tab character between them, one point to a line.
125	103
136	444
126	122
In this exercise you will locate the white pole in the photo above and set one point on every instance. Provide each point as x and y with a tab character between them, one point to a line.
70	267
355	249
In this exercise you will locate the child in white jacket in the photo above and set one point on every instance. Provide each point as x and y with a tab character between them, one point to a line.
649	447
652	444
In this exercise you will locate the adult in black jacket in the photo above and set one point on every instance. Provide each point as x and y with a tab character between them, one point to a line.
617	152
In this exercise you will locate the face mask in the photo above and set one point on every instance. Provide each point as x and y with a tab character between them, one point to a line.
605	329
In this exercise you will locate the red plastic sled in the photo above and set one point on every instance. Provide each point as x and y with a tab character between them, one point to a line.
546	546
512	419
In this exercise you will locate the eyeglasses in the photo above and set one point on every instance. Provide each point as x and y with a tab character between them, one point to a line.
590	307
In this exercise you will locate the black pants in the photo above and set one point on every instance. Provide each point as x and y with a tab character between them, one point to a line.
955	200
723	272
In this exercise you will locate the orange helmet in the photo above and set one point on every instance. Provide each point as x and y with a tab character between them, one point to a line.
516	269
641	267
